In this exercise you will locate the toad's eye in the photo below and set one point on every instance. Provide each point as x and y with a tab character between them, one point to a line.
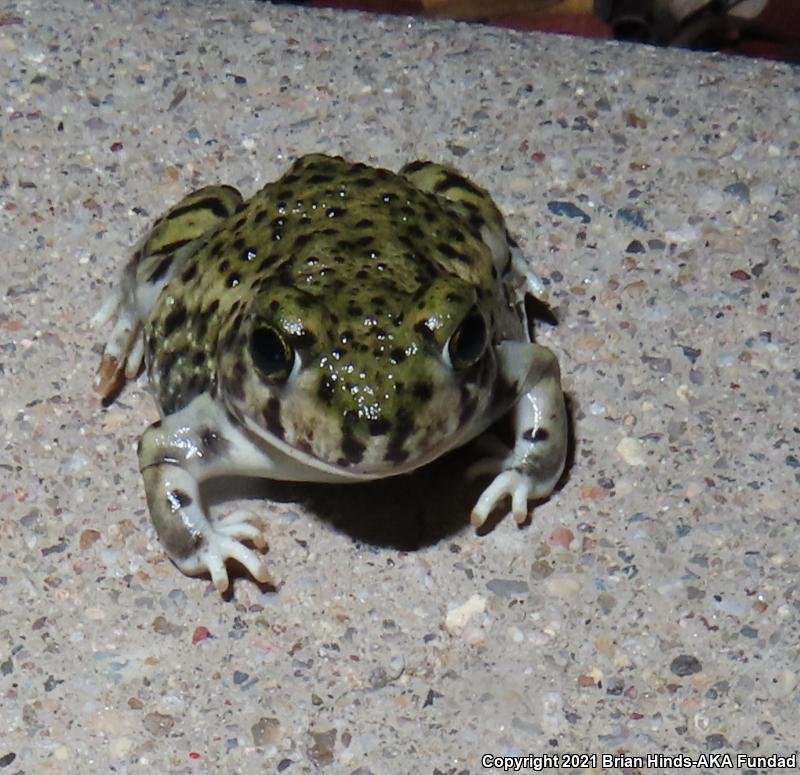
467	344
271	353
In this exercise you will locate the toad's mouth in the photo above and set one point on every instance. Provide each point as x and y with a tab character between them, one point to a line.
299	461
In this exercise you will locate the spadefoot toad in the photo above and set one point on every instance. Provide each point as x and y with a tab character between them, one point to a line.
346	323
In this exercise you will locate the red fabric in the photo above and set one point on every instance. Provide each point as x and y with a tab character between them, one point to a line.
774	35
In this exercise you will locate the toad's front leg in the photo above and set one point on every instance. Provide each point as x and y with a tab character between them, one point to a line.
175	455
532	469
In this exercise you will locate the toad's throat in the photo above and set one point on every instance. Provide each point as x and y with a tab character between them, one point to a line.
352	459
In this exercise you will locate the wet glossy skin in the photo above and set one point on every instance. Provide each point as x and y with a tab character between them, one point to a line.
345	323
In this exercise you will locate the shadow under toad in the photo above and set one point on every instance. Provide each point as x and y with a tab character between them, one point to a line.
406	512
403	512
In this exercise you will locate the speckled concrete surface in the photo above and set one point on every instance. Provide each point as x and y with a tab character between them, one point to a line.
652	604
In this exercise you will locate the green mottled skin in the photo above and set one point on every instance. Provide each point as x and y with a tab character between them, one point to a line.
368	277
346	323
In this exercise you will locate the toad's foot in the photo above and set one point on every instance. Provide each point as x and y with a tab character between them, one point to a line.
124	349
223	543
128	305
194	543
531	470
518	485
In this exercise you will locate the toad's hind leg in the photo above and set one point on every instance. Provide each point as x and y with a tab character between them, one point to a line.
475	206
174	238
470	203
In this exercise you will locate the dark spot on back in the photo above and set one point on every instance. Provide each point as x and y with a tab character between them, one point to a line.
162	268
189	273
216	206
325	389
301	241
268	260
454	180
477	222
414	166
176	318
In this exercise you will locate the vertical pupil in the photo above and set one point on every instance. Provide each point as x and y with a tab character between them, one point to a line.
269	351
469	341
